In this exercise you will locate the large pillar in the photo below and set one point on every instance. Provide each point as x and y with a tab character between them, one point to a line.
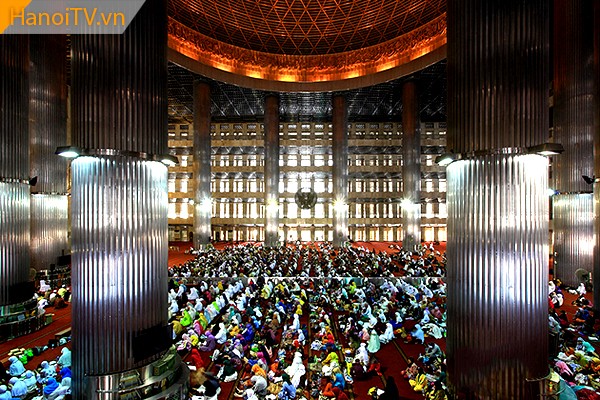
202	155
411	167
340	170
596	268
15	284
48	130
573	128
497	197
119	209
271	170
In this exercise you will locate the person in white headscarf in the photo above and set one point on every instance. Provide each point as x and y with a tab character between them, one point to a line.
296	370
388	335
65	358
362	355
63	389
4	393
193	295
374	342
295	326
19	388
221	336
173	308
16	367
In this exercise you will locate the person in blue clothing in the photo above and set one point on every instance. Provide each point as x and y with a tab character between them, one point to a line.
16	366
288	391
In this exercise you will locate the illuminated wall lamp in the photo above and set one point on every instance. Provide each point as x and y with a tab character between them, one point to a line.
547	149
68	151
446	159
168	160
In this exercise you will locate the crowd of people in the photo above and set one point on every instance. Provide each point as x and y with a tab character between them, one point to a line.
308	338
50	380
316	260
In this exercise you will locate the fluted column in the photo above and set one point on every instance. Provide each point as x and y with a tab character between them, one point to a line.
411	167
119	203
573	128
340	170
48	130
596	268
271	170
202	154
15	284
497	200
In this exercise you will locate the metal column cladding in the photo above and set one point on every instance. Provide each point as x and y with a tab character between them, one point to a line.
340	170
48	130
202	159
271	169
119	257
497	202
119	203
14	167
573	117
497	283
596	269
411	167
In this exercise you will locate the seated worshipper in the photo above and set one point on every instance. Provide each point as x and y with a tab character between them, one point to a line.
374	365
432	354
30	381
221	336
437	393
19	388
59	302
374	343
65	358
50	387
257	383
211	388
288	391
339	380
327	387
186	319
388	335
339	394
4	393
296	370
416	335
329	363
362	355
66	373
419	383
63	389
16	367
209	343
227	373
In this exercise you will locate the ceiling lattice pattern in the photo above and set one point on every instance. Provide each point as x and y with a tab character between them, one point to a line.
304	27
381	102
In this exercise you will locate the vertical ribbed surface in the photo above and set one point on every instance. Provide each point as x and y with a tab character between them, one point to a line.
596	268
497	274
497	74
119	225
573	84
14	164
202	155
14	241
271	170
48	130
119	83
497	204
48	112
340	169
119	204
49	229
411	168
574	128
573	216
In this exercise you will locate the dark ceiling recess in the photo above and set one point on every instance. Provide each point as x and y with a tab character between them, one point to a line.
375	103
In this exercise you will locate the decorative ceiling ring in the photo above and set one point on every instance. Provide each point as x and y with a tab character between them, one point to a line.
389	60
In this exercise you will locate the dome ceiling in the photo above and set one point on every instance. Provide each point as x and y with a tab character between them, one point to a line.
305	27
306	44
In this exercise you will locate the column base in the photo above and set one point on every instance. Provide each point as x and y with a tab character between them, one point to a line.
165	378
